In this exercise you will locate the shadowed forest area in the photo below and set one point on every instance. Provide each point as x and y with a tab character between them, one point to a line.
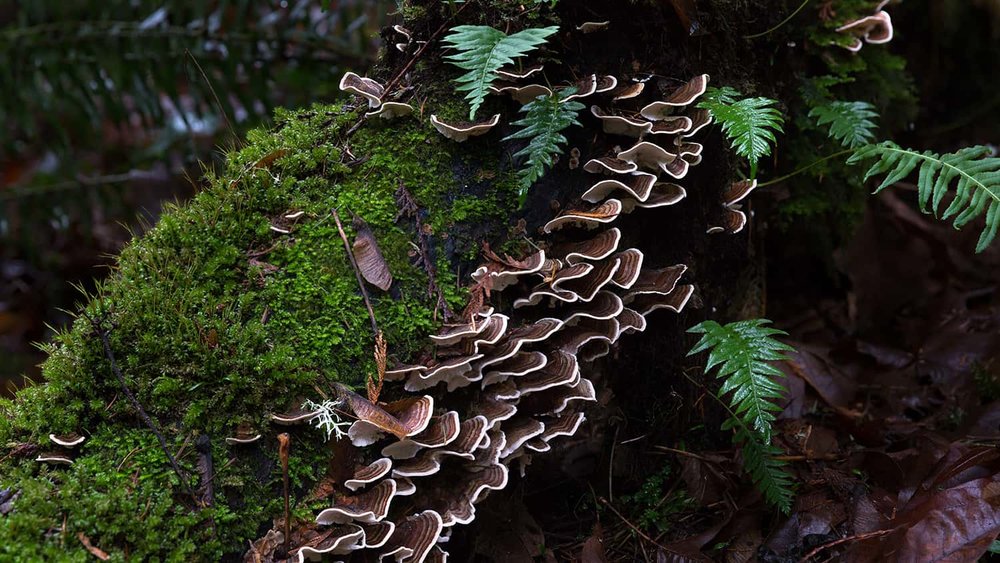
484	280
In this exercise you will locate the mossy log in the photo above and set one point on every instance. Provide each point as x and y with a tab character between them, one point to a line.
242	302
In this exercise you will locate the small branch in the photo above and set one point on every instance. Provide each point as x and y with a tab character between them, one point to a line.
135	403
357	272
783	22
635	529
284	442
848	539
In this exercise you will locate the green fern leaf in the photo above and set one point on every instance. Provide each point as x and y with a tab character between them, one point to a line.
768	473
543	123
749	124
850	122
742	350
974	174
482	50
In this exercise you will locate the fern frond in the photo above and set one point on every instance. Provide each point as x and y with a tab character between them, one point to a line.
768	473
974	174
482	50
742	350
850	122
545	118
749	124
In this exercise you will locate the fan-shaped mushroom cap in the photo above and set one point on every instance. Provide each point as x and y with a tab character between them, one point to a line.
536	331
507	74
522	94
590	27
630	266
737	191
699	119
351	537
661	281
461	131
586	86
601	246
369	507
391	110
521	364
675	300
638	185
586	287
605	305
605	83
630	321
244	435
506	273
67	440
414	537
733	220
422	466
56	458
603	213
662	194
563	426
629	91
518	432
873	29
462	508
555	401
609	165
295	416
369	473
366	87
441	431
377	534
620	125
404	486
453	334
654	157
671	125
682	96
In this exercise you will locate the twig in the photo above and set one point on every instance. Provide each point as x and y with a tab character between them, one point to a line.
357	272
635	529
135	403
218	102
283	447
848	539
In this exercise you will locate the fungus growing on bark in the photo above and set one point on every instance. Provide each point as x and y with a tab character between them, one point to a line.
365	87
629	91
55	458
680	97
590	27
523	381
244	435
67	440
368	256
522	94
733	217
462	130
874	29
620	125
391	110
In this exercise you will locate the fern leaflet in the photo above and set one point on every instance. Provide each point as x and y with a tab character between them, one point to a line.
742	350
767	472
545	118
974	173
749	124
850	122
482	50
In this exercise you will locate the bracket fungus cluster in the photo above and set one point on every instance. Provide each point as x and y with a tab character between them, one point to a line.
374	92
874	29
733	217
502	386
66	445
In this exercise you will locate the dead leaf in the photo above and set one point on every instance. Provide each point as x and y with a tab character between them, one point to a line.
369	257
593	548
94	550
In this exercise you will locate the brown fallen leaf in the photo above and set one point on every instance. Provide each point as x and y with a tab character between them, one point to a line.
94	550
369	257
593	548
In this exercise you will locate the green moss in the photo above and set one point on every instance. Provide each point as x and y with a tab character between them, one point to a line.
218	320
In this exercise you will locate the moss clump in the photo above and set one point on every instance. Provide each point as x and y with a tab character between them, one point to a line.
218	319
